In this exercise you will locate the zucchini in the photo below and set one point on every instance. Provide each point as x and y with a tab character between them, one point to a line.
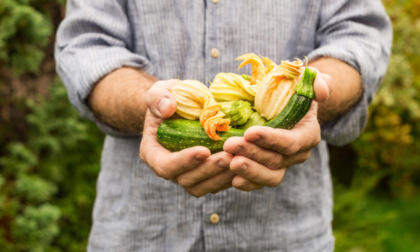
178	134
296	109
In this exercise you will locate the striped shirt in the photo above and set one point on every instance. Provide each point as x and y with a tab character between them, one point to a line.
137	211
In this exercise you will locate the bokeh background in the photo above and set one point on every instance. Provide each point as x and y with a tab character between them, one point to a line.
49	156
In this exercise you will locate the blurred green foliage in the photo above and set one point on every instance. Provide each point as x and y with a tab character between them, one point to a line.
377	207
25	31
389	140
48	180
49	156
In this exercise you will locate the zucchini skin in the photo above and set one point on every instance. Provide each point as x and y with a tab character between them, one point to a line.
295	110
178	134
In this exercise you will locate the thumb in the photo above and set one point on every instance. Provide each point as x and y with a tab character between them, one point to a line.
323	87
159	99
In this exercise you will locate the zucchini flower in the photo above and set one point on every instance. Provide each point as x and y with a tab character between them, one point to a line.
191	96
260	66
195	101
232	87
237	111
254	120
276	88
212	119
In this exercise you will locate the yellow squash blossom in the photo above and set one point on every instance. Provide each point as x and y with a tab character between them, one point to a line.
195	101
232	87
276	88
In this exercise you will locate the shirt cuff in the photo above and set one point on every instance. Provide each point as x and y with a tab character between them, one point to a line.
347	127
80	73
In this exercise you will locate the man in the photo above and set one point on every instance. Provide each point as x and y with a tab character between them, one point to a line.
118	58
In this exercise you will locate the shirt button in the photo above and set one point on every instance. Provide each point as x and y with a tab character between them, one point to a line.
214	218
215	53
215	1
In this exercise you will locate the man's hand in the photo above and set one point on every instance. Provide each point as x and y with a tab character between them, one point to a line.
195	169
262	156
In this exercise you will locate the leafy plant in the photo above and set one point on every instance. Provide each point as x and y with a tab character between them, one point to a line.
388	144
47	187
376	197
24	33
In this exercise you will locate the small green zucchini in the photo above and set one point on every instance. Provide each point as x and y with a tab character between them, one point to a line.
178	134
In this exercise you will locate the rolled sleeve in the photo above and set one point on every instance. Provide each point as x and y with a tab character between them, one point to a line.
359	33
94	39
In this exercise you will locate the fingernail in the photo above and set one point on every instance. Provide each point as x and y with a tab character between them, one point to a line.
326	77
253	138
242	168
200	157
223	164
163	105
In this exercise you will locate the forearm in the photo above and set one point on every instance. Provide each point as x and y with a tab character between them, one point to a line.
119	99
346	86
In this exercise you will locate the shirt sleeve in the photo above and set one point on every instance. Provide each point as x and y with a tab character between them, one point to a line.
94	39
359	33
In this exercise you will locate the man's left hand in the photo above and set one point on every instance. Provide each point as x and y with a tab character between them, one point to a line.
262	156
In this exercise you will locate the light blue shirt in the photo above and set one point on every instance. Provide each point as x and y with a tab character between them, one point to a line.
137	211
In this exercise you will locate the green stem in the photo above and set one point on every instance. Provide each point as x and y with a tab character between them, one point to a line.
305	86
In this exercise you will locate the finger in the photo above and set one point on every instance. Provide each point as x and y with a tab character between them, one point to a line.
212	184
282	141
255	172
304	136
238	146
212	166
243	184
170	165
164	163
159	99
224	187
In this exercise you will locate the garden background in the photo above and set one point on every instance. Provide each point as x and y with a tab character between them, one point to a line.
49	156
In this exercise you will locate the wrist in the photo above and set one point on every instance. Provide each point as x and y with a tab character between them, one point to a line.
344	84
118	99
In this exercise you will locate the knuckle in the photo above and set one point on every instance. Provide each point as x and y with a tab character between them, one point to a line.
274	181
275	162
252	154
248	186
292	149
271	143
227	176
289	144
184	182
305	156
141	155
206	171
162	173
317	140
242	185
196	192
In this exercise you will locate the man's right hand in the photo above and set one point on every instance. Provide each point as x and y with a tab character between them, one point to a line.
195	169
